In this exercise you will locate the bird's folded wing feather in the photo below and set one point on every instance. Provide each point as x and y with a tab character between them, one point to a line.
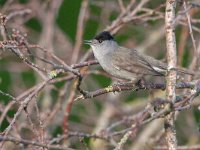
134	62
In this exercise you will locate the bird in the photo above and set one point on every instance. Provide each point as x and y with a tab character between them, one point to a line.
125	63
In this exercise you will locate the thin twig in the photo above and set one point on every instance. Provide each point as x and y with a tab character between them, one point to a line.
79	31
35	143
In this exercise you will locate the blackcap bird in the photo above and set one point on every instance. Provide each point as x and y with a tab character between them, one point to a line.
125	63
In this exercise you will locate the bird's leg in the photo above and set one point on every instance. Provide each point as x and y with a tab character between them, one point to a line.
141	83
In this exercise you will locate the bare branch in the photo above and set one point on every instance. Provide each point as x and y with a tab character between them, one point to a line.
170	132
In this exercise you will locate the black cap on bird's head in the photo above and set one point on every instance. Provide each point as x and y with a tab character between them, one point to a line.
105	35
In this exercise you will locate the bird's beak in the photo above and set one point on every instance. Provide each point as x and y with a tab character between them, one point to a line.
89	42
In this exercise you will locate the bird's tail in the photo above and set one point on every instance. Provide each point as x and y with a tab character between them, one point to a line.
187	71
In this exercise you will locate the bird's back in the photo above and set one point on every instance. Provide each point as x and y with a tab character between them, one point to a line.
137	63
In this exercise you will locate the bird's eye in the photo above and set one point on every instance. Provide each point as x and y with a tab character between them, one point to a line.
100	41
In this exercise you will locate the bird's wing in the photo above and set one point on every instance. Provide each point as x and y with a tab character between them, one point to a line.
137	63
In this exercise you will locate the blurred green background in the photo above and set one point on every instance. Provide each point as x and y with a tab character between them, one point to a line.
15	77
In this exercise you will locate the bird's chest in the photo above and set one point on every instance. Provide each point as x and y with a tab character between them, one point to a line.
106	63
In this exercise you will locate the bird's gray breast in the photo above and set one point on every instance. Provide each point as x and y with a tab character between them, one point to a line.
114	61
109	65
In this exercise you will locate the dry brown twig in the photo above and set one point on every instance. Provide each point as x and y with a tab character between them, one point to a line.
79	31
23	141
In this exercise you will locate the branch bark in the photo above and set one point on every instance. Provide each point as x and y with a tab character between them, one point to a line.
170	132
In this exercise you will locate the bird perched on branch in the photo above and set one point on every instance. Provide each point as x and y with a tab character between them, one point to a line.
126	63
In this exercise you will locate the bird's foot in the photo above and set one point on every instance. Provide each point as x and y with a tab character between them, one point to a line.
141	84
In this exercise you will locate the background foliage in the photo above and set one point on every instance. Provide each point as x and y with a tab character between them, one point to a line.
53	25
